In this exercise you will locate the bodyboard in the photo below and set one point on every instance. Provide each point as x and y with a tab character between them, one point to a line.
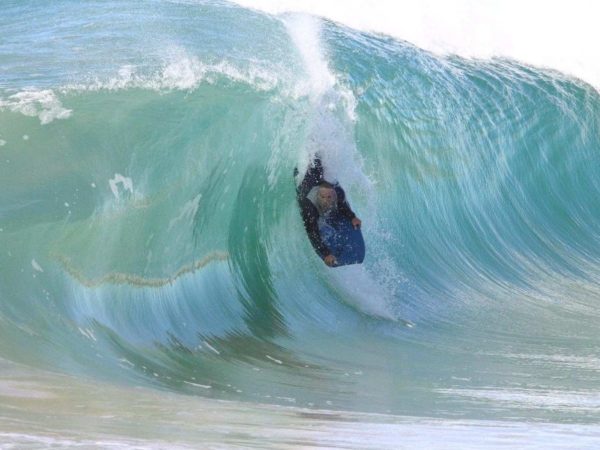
345	242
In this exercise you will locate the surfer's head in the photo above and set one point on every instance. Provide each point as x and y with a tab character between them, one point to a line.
326	197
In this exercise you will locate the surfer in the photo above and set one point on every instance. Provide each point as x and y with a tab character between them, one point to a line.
322	205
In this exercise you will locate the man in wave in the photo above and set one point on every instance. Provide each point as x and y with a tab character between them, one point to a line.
322	205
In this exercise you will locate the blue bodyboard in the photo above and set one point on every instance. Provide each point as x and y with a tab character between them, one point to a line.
345	242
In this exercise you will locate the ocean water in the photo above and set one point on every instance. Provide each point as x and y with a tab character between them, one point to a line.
157	288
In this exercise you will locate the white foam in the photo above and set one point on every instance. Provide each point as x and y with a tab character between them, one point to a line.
333	114
305	32
275	360
184	72
42	104
188	211
558	35
181	71
203	386
126	185
363	292
214	350
36	266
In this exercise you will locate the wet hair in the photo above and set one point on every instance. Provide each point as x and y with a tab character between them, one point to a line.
325	184
320	208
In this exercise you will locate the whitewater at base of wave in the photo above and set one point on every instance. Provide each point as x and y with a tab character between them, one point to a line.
78	413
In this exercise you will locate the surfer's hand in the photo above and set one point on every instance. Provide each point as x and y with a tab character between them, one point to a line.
356	223
330	260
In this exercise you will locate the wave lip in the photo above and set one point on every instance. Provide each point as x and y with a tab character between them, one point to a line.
561	37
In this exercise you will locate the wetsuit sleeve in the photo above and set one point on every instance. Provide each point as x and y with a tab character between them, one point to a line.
312	177
310	215
343	206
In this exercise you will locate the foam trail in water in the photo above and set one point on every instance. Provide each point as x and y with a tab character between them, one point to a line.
361	291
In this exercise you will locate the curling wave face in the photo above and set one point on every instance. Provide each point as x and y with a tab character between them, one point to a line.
149	232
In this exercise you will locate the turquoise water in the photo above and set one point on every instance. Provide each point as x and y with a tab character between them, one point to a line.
150	239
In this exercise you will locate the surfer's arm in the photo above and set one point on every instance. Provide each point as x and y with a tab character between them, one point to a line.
312	177
343	206
310	218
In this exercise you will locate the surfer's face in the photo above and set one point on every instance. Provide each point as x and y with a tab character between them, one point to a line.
326	198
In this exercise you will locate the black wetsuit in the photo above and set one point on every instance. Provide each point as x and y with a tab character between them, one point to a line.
310	214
